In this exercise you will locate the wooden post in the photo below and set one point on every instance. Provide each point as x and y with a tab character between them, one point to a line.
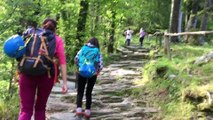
167	46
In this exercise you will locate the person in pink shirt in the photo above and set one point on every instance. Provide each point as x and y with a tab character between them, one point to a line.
35	90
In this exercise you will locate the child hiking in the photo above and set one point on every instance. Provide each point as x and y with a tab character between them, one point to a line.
128	34
89	62
141	37
35	89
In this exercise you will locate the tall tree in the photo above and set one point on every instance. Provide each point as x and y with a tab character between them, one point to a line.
94	18
192	19
112	34
204	21
81	25
174	18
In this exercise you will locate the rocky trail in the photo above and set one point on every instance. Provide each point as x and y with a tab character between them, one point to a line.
107	103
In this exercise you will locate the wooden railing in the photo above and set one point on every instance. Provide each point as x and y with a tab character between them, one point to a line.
168	35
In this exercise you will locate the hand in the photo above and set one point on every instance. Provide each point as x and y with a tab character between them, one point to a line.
64	88
97	73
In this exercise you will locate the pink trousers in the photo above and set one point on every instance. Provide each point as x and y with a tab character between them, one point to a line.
34	92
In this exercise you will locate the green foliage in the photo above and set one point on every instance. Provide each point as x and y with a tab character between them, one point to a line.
9	108
4	89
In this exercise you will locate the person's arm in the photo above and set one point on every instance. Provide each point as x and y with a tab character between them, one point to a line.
60	54
100	64
64	77
76	57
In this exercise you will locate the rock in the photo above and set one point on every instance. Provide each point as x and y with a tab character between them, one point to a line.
150	110
58	106
57	88
134	118
172	76
105	82
123	72
125	105
111	99
204	59
71	78
105	112
62	116
108	117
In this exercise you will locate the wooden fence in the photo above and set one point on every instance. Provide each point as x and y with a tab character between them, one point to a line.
168	35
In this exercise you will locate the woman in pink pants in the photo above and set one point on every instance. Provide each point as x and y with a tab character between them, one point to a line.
35	90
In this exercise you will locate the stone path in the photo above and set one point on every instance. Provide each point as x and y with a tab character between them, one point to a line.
107	104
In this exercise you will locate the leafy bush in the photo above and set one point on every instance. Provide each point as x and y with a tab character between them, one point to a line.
4	89
9	108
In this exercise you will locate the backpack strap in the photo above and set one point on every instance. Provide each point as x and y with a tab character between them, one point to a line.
24	56
28	40
34	41
44	45
38	58
45	52
56	71
22	60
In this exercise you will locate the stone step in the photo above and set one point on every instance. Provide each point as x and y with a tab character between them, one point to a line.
61	116
136	48
107	104
71	78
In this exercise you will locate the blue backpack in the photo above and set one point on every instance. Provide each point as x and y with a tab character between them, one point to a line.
38	58
88	61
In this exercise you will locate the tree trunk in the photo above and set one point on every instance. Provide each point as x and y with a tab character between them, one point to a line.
82	23
204	22
97	20
174	18
112	34
95	8
192	21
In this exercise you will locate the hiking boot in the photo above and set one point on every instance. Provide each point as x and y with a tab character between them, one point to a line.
87	114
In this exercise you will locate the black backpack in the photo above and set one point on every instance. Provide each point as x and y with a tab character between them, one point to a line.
38	59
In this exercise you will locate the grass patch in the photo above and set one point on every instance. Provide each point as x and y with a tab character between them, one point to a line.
167	83
9	106
9	109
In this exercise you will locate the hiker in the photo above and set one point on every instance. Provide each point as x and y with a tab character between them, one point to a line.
87	74
128	34
35	89
32	29
141	35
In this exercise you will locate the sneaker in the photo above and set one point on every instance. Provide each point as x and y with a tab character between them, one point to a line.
79	111
87	113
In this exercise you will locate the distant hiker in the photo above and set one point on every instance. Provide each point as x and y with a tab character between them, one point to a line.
35	87
141	34
128	34
89	62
